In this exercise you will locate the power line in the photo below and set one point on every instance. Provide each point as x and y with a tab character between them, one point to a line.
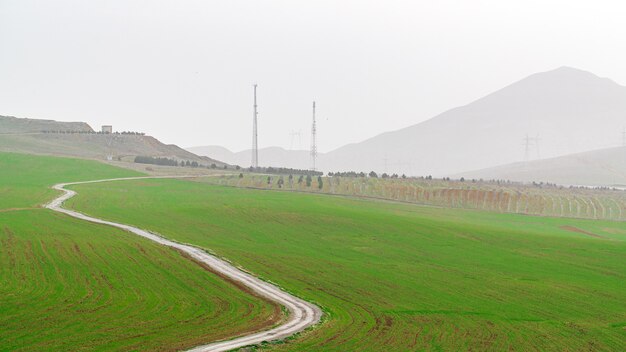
255	145
406	167
385	161
313	141
397	167
293	135
527	143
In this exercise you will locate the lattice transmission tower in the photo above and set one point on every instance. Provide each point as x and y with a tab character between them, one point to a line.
255	144
313	141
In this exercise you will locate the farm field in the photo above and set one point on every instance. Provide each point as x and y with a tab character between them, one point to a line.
503	197
69	285
399	277
25	180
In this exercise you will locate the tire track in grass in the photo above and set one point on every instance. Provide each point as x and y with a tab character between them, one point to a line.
302	314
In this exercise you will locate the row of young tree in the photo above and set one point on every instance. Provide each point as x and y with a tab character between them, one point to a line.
498	182
472	193
372	174
280	182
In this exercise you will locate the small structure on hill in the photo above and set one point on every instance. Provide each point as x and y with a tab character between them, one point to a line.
107	129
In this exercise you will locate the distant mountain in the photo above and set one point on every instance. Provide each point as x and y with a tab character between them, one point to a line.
604	167
78	140
569	110
272	156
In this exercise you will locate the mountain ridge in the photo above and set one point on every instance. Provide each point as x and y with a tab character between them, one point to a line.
600	167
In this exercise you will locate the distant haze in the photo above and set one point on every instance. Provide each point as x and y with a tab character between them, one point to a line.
562	111
603	167
183	70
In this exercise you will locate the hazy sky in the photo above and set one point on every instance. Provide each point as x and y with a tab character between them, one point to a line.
183	70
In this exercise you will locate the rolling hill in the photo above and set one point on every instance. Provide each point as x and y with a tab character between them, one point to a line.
570	110
271	156
77	139
604	167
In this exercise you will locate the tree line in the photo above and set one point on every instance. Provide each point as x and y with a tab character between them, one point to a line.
307	179
283	171
173	162
372	174
156	161
131	133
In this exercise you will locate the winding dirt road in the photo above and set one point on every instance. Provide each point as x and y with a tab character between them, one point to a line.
302	314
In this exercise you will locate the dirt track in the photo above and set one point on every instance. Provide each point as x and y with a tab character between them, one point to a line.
302	314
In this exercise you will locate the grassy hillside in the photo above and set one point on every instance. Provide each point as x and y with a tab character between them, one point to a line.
68	285
401	277
10	124
96	146
25	180
72	139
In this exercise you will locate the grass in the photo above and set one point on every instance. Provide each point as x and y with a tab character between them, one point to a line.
123	147
66	284
25	180
395	277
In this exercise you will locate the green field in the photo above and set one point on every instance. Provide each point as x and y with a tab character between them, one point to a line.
25	180
395	277
68	285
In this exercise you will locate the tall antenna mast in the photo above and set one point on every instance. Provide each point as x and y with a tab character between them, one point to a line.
255	145
313	141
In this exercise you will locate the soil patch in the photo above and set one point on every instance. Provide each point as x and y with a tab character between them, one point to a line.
577	230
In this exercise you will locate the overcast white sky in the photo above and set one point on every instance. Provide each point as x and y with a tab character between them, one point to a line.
183	70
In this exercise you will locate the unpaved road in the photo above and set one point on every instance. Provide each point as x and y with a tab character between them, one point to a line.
302	314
